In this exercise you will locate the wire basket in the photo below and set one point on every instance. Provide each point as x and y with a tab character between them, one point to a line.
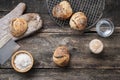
93	9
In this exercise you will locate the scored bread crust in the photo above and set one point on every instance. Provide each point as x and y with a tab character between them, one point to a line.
61	56
78	21
18	27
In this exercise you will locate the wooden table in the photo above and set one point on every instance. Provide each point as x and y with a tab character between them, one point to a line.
83	64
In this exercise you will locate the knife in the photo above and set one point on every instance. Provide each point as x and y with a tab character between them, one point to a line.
7	46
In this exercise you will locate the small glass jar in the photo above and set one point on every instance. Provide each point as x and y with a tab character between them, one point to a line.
105	27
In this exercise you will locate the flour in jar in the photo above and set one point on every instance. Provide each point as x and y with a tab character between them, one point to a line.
22	61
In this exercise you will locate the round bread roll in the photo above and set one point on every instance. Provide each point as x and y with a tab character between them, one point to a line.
62	10
61	56
96	46
78	21
18	27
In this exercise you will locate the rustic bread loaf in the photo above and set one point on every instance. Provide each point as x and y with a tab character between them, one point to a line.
18	27
61	56
62	10
78	21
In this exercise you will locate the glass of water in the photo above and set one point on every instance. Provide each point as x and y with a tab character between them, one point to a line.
105	27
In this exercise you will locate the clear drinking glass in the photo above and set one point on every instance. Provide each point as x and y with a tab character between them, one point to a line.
105	27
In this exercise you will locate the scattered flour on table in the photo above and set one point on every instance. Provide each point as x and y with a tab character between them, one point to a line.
22	61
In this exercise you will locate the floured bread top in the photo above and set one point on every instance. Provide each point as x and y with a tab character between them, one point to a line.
18	27
96	46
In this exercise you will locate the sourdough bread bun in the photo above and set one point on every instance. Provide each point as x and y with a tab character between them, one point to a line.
78	21
62	10
61	56
18	27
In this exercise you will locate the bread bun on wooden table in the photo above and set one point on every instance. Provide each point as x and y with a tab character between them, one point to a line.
61	56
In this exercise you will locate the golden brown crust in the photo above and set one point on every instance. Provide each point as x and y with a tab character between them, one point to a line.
61	56
13	64
78	21
62	10
18	27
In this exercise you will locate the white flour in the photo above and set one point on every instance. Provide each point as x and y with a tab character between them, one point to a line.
22	61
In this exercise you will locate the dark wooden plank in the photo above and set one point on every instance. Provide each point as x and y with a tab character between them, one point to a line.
112	8
32	5
61	74
43	45
112	11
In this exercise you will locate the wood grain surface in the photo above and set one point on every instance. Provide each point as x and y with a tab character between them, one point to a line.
61	74
83	64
